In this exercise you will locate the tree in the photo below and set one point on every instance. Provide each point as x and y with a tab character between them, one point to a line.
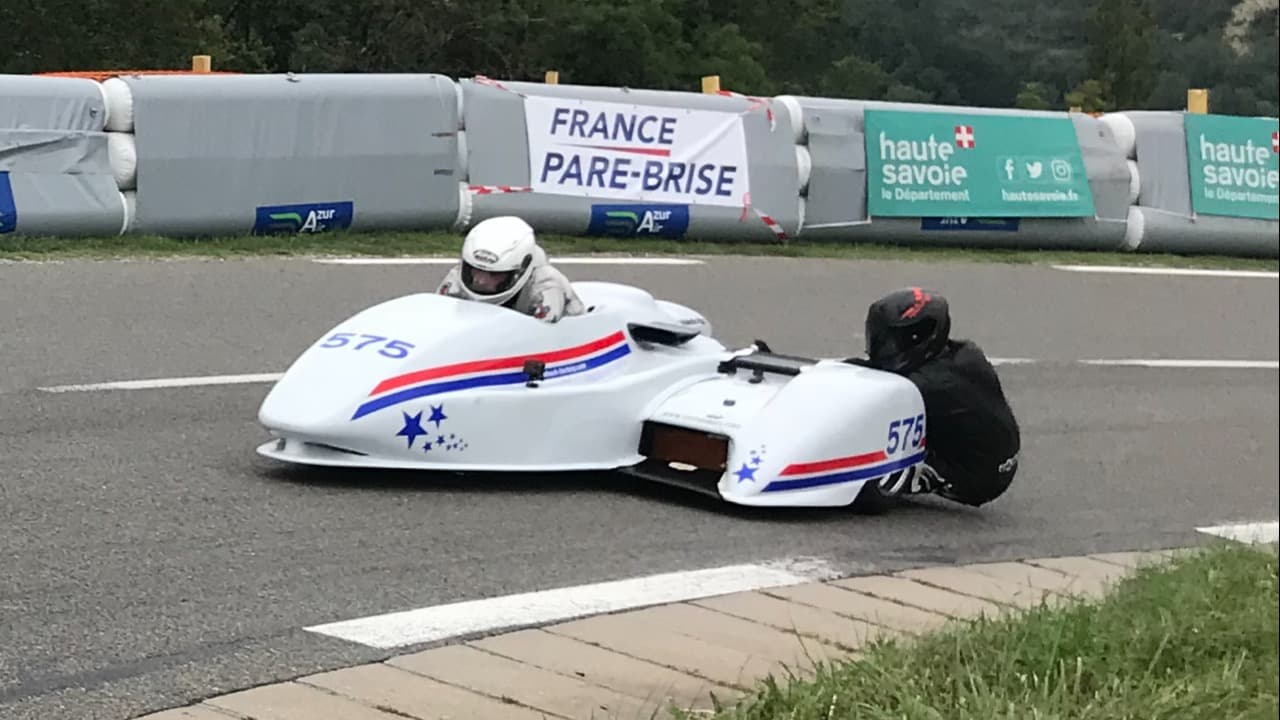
854	78
1121	52
1035	96
1089	96
992	53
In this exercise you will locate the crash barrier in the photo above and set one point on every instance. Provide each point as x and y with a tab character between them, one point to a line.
215	154
56	160
1201	181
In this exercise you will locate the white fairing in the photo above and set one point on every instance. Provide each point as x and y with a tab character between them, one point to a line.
432	382
813	439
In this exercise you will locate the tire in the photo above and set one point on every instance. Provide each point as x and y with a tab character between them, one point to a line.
873	499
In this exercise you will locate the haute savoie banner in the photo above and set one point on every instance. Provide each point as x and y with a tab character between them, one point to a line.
1232	164
623	151
931	164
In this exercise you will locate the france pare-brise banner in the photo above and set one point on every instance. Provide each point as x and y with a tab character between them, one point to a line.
623	151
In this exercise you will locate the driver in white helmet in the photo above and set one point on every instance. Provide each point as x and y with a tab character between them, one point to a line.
503	264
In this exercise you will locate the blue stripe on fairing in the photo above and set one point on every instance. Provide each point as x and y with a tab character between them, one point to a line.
510	378
843	476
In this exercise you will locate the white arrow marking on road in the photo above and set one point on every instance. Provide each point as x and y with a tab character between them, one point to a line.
429	624
1254	533
157	383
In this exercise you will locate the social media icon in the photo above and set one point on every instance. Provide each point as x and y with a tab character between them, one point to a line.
1061	170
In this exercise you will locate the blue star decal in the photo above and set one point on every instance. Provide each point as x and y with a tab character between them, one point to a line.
745	473
427	447
412	427
440	440
437	415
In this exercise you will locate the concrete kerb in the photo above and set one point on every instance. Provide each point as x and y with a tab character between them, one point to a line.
638	663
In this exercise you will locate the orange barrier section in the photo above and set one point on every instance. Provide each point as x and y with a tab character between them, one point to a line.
101	75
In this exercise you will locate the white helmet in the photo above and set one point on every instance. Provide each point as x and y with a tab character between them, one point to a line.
497	258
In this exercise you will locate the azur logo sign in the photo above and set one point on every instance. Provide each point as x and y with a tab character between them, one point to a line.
303	218
669	221
8	208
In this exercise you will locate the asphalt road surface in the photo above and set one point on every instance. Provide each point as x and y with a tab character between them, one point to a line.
148	557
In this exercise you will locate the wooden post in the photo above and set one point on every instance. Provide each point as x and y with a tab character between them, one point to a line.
201	63
553	77
1198	101
711	84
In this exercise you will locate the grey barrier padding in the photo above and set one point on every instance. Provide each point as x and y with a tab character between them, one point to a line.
497	146
213	149
1165	232
838	174
572	216
1029	233
75	152
1106	167
498	154
33	102
1161	154
67	204
62	182
556	214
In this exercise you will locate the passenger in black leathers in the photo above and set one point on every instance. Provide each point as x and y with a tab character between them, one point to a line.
972	436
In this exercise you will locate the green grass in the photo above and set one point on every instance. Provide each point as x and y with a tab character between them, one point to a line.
1193	640
444	243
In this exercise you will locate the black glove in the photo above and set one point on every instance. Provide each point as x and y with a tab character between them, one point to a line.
860	362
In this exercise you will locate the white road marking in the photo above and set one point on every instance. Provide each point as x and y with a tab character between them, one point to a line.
1012	361
1175	363
558	260
156	383
440	622
1254	533
1137	270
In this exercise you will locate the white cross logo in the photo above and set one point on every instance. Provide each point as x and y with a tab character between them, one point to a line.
964	136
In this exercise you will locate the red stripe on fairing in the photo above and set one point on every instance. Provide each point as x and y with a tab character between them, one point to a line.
505	363
843	463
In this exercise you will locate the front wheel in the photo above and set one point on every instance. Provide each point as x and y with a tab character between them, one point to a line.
881	494
877	496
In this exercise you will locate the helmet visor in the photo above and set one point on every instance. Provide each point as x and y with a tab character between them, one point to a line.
487	282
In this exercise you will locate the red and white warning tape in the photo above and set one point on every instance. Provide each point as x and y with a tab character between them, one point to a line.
764	217
485	80
755	103
497	189
773	225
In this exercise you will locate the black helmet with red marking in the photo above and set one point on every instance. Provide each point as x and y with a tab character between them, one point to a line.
906	328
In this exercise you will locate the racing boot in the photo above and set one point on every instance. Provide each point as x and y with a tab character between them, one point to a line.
916	480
